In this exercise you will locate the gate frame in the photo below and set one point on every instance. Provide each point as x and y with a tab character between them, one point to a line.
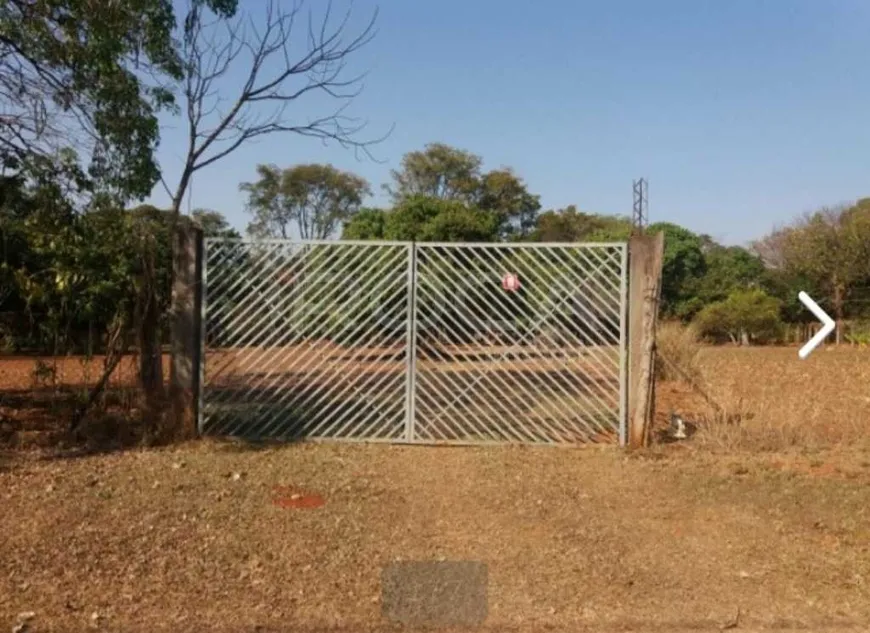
411	345
630	337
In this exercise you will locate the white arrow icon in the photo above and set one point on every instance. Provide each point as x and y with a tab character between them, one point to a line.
822	316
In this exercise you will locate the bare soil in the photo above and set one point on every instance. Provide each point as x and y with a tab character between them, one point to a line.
463	394
758	522
22	373
39	395
200	537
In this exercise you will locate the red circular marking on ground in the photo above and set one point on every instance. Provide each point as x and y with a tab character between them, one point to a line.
289	498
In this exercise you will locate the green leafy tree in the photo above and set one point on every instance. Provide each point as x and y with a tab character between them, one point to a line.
785	286
214	224
66	273
438	171
441	172
447	274
425	219
729	268
366	224
73	78
571	225
432	220
726	270
79	111
746	315
82	270
315	200
504	194
682	265
15	208
615	229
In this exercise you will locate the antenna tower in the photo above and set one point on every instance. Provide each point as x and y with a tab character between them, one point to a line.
640	214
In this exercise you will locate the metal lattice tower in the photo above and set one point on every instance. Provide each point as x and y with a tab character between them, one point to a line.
640	214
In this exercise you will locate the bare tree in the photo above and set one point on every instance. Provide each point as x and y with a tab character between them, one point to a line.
771	248
274	79
285	59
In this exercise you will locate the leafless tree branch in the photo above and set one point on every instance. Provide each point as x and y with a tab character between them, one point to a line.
275	75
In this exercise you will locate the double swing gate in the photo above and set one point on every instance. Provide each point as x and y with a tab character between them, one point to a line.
425	343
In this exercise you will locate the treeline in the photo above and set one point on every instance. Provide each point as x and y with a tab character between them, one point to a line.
74	279
731	293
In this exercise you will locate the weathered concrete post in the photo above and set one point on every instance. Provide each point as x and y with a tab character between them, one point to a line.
645	254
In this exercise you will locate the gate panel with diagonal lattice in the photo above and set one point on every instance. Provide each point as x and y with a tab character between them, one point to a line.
376	341
306	339
541	363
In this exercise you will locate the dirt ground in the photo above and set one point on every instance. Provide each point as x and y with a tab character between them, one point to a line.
462	393
39	395
759	521
21	373
331	382
193	538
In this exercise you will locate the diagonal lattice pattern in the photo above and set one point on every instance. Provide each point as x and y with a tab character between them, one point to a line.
416	343
541	364
306	339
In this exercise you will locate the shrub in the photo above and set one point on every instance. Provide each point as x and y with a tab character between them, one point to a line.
858	334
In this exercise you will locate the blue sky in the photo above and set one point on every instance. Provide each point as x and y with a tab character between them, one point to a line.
741	113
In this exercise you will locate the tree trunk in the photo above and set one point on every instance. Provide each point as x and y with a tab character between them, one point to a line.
150	359
148	335
177	294
185	328
744	338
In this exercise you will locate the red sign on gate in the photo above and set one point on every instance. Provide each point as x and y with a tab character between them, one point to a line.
510	282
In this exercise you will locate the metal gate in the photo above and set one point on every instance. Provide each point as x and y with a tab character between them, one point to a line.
426	343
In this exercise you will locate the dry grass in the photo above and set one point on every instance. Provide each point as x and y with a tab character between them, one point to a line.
678	351
764	399
771	401
172	540
762	510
